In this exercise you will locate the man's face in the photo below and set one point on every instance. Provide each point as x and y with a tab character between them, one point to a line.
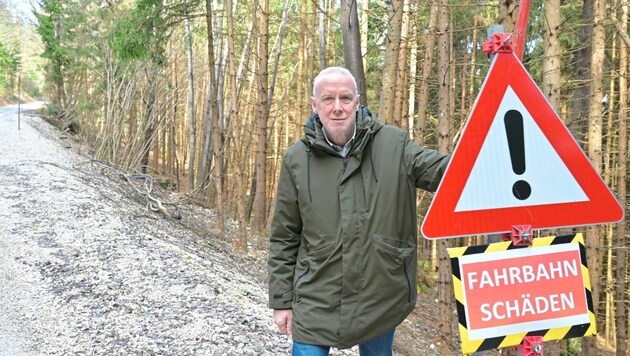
336	104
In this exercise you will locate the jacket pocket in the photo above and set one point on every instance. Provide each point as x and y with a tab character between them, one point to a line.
320	254
312	260
396	248
395	258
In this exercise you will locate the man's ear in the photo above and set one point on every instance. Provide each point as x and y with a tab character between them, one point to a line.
313	104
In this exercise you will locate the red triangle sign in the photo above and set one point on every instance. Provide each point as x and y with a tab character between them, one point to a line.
516	163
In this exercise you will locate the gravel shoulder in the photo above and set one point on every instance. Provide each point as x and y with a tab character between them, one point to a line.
86	268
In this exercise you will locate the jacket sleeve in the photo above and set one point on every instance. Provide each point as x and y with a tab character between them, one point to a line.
425	166
284	240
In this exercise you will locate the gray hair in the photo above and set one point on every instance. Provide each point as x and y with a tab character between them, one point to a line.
335	70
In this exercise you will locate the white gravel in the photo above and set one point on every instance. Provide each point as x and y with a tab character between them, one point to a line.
87	269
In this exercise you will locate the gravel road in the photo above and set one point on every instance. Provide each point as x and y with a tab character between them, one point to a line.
87	269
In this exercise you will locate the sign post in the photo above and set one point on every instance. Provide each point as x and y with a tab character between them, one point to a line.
19	97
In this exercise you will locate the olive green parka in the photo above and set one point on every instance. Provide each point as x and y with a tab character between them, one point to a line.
343	239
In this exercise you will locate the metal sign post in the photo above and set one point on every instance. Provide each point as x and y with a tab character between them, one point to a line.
521	236
19	97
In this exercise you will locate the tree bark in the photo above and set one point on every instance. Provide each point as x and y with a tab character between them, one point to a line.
148	119
473	64
388	89
191	109
444	82
621	258
352	45
321	29
365	10
302	91
214	119
423	85
233	114
576	120
401	77
260	200
508	13
551	59
589	345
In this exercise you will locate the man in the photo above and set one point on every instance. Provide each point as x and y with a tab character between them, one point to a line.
343	259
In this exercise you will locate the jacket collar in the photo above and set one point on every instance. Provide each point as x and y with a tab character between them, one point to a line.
366	125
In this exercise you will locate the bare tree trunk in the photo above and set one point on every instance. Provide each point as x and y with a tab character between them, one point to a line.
444	278
260	200
148	119
508	13
423	95
234	103
551	59
302	91
423	85
463	89
365	10
388	89
352	45
620	272
444	80
233	107
213	119
609	159
401	77
589	345
173	142
250	111
274	130
413	79
576	121
473	64
277	49
321	29
207	148
191	109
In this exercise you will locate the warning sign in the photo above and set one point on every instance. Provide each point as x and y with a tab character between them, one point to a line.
504	293
516	163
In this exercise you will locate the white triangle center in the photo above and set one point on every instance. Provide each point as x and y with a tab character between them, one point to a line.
491	181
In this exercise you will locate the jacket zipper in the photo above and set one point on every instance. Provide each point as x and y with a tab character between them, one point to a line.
301	275
345	164
408	281
295	294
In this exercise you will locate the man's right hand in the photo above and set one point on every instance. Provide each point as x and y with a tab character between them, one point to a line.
283	319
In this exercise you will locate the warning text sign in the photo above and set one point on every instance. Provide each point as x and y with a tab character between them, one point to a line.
505	291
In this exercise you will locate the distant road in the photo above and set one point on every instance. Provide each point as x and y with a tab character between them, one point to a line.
87	270
23	107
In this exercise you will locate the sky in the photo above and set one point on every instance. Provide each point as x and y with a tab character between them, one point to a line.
22	8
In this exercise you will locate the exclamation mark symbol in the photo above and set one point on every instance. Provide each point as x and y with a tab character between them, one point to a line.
516	142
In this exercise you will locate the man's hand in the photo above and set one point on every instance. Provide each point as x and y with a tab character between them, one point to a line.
283	319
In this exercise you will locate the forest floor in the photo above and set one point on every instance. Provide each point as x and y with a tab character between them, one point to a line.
87	268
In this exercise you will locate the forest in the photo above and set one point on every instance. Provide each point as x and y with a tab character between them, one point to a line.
207	95
21	66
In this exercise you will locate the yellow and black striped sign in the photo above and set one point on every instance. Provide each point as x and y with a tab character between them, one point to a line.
524	285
